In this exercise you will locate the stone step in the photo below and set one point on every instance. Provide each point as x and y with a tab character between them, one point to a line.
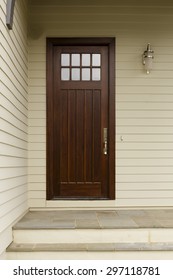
93	234
59	247
90	251
78	236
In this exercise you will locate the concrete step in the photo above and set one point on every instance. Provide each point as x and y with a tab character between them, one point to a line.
60	247
90	251
91	235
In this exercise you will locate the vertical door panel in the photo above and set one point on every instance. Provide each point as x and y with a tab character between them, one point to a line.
63	135
80	135
96	134
72	136
89	135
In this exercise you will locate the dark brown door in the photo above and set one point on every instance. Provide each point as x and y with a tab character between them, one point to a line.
79	122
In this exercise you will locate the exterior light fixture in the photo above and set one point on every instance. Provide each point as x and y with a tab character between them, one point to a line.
147	58
10	11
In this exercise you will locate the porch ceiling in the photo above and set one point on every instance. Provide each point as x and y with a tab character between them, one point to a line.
109	14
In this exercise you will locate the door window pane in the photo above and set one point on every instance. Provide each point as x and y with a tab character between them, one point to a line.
86	74
65	59
96	60
75	74
85	59
65	74
96	74
75	59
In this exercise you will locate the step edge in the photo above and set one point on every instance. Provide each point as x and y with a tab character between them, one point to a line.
91	247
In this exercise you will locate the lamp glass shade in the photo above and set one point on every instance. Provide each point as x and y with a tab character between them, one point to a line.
148	64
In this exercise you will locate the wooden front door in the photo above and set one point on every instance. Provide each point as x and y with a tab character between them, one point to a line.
78	121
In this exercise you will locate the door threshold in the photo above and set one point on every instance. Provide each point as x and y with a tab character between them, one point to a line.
78	199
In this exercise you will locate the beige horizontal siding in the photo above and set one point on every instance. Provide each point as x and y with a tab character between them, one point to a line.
13	119
144	103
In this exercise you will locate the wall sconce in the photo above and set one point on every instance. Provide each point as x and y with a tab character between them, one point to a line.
10	11
147	58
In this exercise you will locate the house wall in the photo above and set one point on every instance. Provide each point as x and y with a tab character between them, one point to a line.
13	119
144	103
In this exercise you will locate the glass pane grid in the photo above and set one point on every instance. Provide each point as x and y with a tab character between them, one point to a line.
80	67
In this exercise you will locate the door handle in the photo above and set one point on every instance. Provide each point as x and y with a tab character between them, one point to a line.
105	141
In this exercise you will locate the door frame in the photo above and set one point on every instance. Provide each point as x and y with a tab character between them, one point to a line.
50	44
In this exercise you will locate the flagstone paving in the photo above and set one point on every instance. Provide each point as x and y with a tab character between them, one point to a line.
70	219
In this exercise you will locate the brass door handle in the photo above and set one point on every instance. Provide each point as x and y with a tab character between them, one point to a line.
105	148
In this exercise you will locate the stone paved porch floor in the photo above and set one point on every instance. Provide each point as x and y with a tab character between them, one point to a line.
78	219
